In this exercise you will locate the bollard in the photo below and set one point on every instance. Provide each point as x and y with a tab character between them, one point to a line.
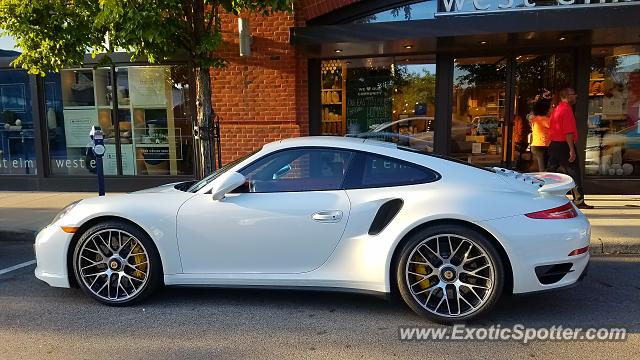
97	138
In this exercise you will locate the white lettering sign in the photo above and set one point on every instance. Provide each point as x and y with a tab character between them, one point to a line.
476	3
508	5
449	3
482	5
19	163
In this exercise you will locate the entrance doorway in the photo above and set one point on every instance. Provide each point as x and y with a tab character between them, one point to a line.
492	104
537	80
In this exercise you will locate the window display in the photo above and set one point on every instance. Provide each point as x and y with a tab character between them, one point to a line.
385	99
613	137
332	96
478	129
152	120
17	152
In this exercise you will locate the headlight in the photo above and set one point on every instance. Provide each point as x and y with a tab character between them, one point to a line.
65	211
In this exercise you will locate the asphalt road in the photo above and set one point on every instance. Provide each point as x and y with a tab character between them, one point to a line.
37	321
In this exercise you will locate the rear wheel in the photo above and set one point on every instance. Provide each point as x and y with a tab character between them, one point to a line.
449	273
116	263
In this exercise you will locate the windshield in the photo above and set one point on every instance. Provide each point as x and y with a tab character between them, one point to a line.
202	183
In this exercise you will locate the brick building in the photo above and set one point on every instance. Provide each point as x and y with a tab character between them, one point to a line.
457	78
264	97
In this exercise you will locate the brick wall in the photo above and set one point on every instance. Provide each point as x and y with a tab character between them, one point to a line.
264	97
310	9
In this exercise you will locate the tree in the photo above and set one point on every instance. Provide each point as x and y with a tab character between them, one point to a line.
54	34
413	88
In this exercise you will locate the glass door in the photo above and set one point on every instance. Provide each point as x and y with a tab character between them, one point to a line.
538	77
495	102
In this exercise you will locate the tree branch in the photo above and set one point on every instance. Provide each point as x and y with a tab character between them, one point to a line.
213	14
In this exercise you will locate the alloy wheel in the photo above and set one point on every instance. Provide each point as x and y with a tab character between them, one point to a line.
450	275
113	265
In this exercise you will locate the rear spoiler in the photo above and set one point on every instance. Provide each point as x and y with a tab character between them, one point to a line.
554	183
542	182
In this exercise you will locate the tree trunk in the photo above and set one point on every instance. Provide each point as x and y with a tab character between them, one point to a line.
205	115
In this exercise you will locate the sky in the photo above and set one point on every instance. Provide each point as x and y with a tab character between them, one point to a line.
7	43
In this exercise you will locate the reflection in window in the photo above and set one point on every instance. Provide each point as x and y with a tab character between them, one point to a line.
380	171
478	129
417	11
388	99
298	170
613	138
153	124
536	75
17	154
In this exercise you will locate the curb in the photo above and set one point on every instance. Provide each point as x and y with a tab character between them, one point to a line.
17	235
614	247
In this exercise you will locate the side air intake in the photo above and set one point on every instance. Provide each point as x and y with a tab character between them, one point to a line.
385	214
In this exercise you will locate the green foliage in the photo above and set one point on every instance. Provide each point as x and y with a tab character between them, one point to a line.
54	34
412	88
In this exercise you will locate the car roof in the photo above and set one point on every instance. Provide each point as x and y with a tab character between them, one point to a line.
388	124
330	141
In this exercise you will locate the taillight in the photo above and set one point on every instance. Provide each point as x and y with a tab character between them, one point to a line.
579	251
566	211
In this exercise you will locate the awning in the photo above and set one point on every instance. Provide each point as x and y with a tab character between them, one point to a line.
319	41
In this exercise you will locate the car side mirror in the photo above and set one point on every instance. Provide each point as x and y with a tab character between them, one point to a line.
226	183
282	172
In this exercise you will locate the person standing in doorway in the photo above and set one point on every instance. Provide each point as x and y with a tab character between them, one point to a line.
562	148
540	131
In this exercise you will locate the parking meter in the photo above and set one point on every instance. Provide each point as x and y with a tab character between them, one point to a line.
97	138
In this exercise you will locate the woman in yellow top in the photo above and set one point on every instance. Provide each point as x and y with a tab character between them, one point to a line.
540	129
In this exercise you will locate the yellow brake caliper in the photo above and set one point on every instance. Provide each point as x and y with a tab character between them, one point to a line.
421	269
139	260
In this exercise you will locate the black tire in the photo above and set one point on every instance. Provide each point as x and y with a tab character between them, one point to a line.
490	296
152	279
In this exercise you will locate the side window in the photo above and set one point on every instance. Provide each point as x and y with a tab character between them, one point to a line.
306	169
374	170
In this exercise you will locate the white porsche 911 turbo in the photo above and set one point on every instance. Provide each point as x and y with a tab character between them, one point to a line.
333	214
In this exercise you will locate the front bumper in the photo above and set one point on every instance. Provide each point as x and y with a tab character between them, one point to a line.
51	256
533	243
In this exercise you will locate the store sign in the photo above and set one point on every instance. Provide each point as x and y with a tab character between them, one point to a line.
465	6
368	99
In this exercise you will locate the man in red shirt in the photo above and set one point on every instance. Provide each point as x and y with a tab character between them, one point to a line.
562	149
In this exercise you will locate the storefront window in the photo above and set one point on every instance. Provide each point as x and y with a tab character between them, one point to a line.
389	99
537	80
417	11
156	140
613	138
479	130
17	151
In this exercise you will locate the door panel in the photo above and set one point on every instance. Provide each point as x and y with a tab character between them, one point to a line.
261	232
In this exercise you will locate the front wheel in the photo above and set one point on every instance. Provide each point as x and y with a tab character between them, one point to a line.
449	273
116	263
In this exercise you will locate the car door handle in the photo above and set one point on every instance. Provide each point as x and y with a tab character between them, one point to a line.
330	216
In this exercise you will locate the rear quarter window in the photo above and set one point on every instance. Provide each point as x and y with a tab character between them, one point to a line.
372	170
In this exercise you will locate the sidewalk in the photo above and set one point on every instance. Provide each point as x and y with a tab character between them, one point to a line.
615	221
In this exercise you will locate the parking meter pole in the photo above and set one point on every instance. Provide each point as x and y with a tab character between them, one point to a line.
98	149
100	172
